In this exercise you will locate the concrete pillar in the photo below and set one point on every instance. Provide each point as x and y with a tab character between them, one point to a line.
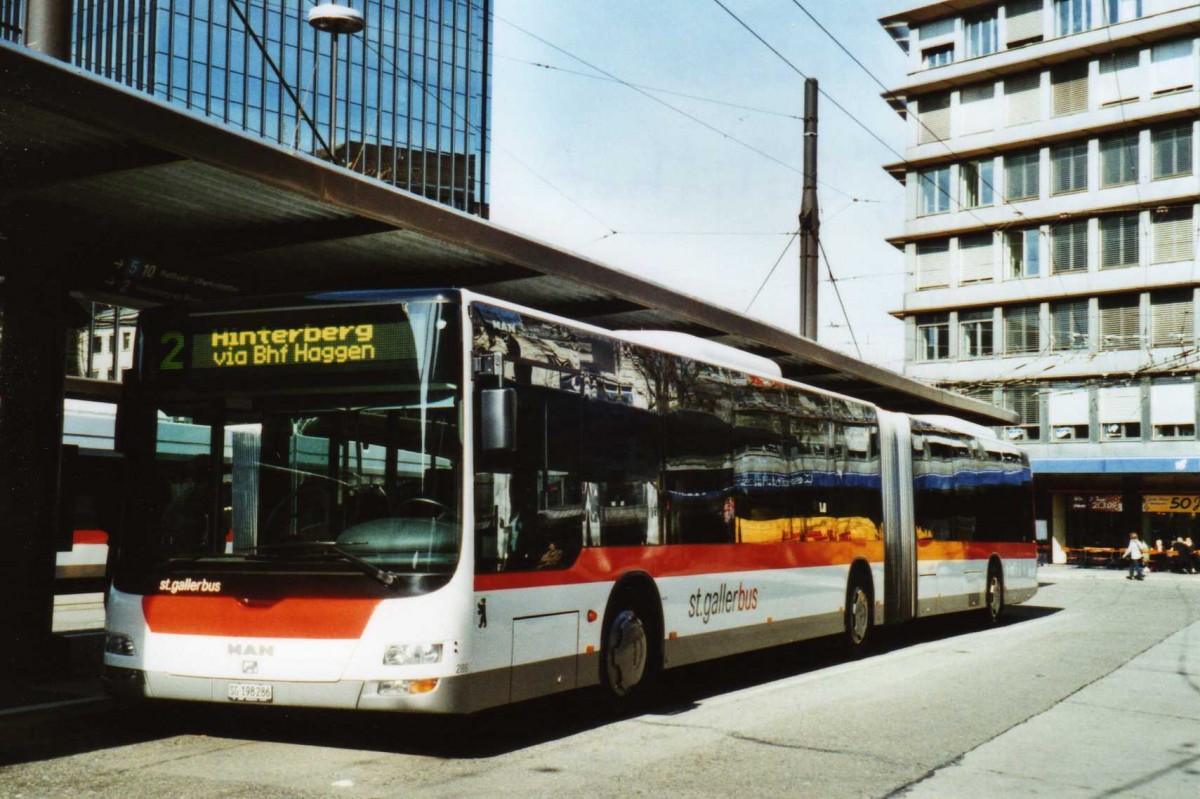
1058	528
32	347
48	27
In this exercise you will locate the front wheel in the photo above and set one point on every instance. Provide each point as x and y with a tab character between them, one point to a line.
627	649
858	617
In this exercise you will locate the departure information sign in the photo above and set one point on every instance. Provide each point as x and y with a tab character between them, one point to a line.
312	342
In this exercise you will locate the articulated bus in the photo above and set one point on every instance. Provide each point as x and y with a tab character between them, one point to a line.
433	501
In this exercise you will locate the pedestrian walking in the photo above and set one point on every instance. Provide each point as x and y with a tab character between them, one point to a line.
1137	552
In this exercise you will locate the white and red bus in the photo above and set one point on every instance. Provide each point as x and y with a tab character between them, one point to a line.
433	501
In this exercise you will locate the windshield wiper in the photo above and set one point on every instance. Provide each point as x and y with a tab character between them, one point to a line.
383	576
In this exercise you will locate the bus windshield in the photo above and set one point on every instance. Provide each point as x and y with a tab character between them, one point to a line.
291	476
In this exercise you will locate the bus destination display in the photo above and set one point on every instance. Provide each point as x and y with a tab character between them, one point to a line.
306	345
316	344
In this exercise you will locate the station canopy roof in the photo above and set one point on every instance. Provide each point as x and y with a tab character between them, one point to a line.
118	177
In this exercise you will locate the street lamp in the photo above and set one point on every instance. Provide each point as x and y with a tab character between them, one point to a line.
335	20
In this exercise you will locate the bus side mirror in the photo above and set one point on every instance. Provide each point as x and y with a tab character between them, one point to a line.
498	420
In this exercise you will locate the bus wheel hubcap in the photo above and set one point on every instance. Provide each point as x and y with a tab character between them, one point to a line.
860	616
626	652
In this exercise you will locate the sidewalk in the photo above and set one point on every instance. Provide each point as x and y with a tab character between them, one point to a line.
1071	749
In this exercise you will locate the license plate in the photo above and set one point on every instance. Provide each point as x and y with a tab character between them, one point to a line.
250	692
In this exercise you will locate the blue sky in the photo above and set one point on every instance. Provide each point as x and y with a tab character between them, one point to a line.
577	157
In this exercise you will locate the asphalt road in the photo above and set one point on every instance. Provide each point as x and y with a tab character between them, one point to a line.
936	697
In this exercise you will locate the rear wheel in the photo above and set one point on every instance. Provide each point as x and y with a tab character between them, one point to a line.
628	650
993	595
859	618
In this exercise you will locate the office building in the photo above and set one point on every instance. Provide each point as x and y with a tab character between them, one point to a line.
413	88
1050	243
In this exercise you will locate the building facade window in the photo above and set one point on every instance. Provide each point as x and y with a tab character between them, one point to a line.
1068	168
1120	322
1171	232
1022	99
1119	160
938	56
976	334
976	179
933	337
1069	85
975	261
1172	150
1172	411
1022	176
934	187
933	264
1121	10
1172	67
1068	247
1025	402
1024	253
1119	411
1069	325
933	118
980	34
1023	19
1068	411
1118	79
1022	331
977	109
1172	318
1119	241
1072	16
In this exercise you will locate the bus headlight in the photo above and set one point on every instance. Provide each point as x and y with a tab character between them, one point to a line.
119	644
412	654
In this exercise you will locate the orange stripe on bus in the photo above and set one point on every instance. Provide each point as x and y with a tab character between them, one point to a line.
287	618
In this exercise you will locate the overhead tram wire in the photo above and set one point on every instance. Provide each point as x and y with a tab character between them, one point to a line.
838	292
665	104
660	90
845	111
775	266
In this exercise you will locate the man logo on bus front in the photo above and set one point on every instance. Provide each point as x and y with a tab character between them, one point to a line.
481	609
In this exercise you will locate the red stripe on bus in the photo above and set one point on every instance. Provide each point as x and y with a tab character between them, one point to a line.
605	564
90	537
285	618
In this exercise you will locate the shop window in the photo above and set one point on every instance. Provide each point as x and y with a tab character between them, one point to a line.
1070	432
1117	431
